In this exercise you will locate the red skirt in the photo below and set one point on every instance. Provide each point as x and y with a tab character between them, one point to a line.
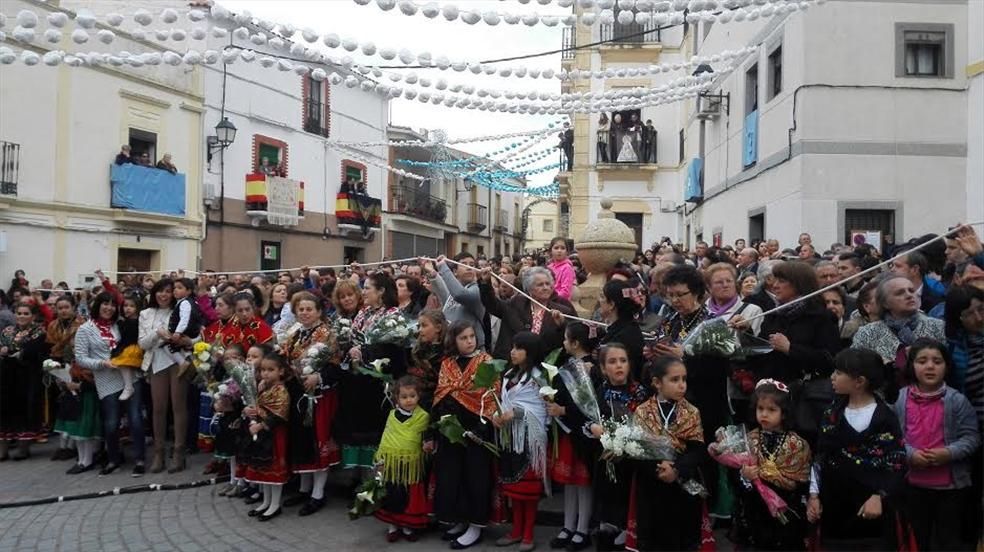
416	513
568	468
529	487
277	471
329	452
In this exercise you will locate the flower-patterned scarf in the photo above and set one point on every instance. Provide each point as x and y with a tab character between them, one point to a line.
684	424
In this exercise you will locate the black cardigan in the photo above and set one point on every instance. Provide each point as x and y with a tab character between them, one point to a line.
814	341
517	316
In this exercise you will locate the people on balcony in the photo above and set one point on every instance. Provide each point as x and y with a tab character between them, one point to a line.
648	142
270	169
123	157
567	146
144	159
603	131
166	164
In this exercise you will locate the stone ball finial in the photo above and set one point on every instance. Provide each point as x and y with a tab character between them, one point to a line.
606	209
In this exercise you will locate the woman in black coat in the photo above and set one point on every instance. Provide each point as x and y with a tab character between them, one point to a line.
618	306
804	338
520	314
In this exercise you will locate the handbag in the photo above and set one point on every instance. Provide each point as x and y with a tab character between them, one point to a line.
812	397
69	407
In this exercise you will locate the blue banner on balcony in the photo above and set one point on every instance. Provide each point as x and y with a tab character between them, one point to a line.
749	144
694	189
147	189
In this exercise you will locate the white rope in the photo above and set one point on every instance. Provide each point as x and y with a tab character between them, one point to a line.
862	273
523	293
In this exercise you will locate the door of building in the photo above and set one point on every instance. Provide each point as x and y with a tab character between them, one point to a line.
633	221
881	220
135	260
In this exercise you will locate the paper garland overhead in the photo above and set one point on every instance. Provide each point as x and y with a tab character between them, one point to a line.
630	12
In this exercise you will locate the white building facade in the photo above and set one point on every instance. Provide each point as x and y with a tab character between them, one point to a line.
65	209
849	117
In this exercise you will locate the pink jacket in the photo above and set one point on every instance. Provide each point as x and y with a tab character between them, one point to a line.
564	278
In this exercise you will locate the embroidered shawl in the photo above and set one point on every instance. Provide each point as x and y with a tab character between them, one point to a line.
400	450
685	425
255	332
60	336
301	339
460	386
14	338
783	458
274	402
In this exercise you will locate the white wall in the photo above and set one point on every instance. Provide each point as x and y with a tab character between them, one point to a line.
853	131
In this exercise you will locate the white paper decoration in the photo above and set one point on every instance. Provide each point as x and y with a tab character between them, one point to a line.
248	56
219	32
531	19
387	53
267	61
331	40
430	10
196	15
53	36
169	16
192	57
178	34
241	33
199	33
230	55
85	19
491	18
105	36
368	48
309	35
53	57
25	35
549	20
171	58
277	43
162	34
210	57
259	39
318	74
408	7
243	18
363	2
386	5
55	19
27	19
351	82
350	45
79	36
284	65
470	17
510	18
114	19
7	57
450	12
73	61
219	12
335	78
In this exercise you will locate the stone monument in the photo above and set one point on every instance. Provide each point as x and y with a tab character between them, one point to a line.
604	242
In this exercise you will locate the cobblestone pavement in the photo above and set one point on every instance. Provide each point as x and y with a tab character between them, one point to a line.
186	520
182	520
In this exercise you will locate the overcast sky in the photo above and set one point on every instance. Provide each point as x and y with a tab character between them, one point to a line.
455	39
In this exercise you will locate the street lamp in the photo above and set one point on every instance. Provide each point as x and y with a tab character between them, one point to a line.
225	135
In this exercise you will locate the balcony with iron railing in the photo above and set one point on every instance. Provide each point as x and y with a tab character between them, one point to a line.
412	201
356	211
567	44
478	217
621	149
502	221
617	34
315	119
9	167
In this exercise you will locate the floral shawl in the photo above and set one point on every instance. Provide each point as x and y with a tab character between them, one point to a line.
14	339
274	403
459	385
684	425
783	458
301	339
368	317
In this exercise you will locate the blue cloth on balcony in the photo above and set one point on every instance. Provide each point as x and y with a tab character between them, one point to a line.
147	189
694	189
750	139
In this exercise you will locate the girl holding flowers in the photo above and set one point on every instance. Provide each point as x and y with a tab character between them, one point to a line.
266	449
662	514
523	437
463	492
573	407
618	397
782	464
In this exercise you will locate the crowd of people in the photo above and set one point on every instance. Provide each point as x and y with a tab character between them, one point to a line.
125	156
862	406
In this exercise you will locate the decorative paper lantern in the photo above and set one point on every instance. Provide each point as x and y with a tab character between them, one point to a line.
105	36
350	45
368	48
331	40
510	18
55	19
199	33
53	36
79	36
85	19
27	19
491	18
450	12
169	16
531	19
626	17
386	5
430	10
178	34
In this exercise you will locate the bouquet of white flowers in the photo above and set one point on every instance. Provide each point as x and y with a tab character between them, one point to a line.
54	369
370	495
623	438
245	377
391	329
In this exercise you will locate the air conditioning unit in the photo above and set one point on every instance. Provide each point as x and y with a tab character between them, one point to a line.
667	207
210	195
708	108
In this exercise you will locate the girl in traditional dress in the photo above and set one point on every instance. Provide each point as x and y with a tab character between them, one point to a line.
427	353
312	448
662	514
574	455
858	476
463	494
618	396
266	450
941	436
22	349
61	338
405	507
522	426
362	413
783	465
228	406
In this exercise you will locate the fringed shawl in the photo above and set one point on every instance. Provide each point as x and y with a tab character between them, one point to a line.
527	432
274	402
459	384
783	459
685	425
400	450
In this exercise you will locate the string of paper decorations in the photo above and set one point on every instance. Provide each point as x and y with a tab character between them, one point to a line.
653	12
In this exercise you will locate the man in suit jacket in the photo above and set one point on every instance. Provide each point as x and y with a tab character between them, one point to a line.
915	267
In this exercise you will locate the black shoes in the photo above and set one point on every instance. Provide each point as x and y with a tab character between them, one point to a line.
268	517
299	498
79	468
312	506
